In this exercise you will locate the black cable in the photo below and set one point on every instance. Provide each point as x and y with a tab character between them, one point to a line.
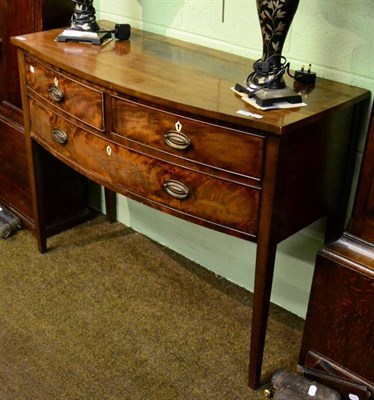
284	67
266	69
120	31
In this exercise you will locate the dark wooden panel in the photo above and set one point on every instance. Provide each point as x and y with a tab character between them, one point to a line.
56	14
340	319
362	223
312	174
16	18
14	179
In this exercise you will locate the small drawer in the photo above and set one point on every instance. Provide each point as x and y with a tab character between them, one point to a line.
68	142
73	97
205	199
208	144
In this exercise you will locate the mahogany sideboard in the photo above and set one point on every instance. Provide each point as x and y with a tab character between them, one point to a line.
339	325
154	119
19	17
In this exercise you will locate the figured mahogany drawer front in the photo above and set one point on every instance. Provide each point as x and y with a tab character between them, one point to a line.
223	148
66	140
75	98
191	193
212	199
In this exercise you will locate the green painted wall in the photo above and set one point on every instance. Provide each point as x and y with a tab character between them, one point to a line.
335	36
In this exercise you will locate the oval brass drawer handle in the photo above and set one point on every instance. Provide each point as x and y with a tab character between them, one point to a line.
177	140
56	94
59	136
176	189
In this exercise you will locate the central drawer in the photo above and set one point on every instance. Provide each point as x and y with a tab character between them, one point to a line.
78	100
206	199
215	146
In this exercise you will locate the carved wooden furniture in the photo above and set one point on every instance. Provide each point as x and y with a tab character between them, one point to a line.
154	119
340	320
18	17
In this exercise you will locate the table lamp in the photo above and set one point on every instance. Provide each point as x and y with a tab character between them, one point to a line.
266	84
84	28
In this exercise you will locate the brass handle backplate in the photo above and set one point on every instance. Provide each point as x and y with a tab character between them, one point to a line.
176	189
56	94
59	136
177	140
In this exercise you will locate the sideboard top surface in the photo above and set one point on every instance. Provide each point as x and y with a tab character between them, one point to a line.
187	77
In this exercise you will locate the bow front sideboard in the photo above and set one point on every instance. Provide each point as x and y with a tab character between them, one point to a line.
154	119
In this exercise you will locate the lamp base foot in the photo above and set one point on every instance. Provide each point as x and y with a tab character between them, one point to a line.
70	35
268	97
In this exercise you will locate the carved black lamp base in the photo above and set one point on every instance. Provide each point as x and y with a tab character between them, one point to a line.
83	25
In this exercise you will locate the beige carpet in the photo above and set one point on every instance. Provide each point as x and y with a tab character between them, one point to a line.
108	314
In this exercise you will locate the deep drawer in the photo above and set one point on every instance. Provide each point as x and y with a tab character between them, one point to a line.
75	98
209	144
214	201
